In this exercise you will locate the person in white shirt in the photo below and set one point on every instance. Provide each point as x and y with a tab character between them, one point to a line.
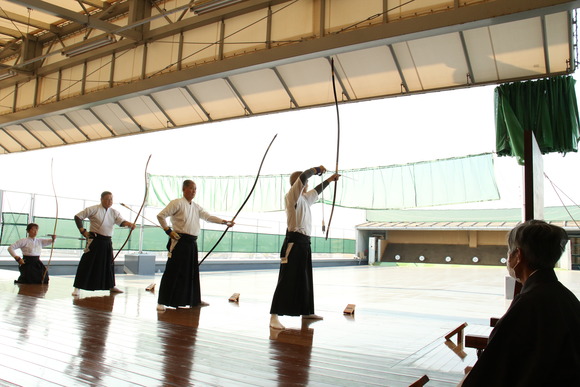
31	267
96	269
180	281
294	294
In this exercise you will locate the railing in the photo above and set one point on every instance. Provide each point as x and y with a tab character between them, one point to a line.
264	236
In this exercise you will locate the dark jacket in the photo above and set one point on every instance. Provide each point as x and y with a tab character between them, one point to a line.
536	342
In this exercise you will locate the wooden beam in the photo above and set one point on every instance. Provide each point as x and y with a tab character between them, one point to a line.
64	13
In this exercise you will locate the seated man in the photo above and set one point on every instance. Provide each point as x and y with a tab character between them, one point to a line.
537	341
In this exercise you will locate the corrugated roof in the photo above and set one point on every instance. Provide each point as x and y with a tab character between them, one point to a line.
473	219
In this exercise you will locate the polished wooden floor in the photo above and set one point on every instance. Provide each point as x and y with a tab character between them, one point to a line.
396	335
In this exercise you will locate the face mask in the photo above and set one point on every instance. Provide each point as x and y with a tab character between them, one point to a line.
512	270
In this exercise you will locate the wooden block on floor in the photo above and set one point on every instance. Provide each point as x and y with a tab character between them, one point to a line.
457	331
476	341
349	309
235	297
420	382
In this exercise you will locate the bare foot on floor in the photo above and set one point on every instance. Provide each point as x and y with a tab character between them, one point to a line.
312	317
275	323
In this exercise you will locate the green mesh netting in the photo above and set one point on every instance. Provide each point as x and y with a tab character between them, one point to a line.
13	227
154	239
448	181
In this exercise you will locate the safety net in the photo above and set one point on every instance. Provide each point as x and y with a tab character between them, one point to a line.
548	107
155	239
430	183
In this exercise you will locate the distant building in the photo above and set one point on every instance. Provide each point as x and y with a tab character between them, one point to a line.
474	237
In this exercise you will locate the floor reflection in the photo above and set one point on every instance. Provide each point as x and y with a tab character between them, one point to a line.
94	330
290	349
178	344
26	311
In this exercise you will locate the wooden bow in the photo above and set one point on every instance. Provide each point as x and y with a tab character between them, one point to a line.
140	209
55	221
243	204
337	145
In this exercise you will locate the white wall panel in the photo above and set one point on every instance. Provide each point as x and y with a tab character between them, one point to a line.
128	65
200	45
25	96
341	13
98	74
303	23
162	54
71	81
245	33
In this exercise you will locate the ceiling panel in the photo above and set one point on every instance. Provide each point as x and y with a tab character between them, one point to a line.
309	81
8	144
408	69
179	105
44	133
258	56
115	119
145	112
481	55
21	134
370	73
523	53
218	99
262	90
88	124
439	61
65	129
557	32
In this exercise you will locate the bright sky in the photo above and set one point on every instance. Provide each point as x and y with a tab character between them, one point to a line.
374	133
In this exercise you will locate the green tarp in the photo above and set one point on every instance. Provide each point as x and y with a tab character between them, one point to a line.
548	107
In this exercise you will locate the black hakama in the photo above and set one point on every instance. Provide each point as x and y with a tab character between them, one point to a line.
96	270
180	281
294	295
32	270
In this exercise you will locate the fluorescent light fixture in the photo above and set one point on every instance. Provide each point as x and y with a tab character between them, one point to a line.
204	6
7	74
89	44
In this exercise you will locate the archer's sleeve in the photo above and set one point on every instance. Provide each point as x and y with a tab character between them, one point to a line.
46	242
118	218
203	214
87	212
15	246
298	186
169	210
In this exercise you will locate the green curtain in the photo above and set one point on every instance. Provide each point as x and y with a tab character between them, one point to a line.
548	107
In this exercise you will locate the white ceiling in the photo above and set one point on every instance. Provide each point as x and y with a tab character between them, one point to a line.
251	58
